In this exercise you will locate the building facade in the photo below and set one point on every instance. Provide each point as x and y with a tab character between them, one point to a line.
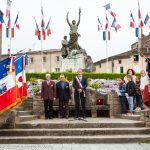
51	61
131	59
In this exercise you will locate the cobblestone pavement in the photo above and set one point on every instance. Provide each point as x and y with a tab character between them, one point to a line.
74	146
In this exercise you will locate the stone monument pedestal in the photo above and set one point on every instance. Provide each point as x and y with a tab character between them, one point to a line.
77	60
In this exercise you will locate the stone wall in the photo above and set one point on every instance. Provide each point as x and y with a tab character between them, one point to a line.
145	116
111	102
7	119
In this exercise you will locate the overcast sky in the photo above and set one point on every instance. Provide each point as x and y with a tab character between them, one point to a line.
90	40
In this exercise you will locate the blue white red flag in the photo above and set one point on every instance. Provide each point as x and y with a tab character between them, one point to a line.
8	96
8	8
106	25
16	22
9	22
48	28
43	25
1	22
108	8
115	25
132	22
99	25
147	20
141	24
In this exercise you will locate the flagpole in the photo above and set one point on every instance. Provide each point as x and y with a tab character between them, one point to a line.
9	32
107	70
41	43
139	48
106	46
139	35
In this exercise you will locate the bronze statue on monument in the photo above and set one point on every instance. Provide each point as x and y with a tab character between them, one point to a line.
72	47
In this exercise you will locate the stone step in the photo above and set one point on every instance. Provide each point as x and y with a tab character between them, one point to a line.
133	117
74	139
75	132
20	108
24	113
26	118
50	124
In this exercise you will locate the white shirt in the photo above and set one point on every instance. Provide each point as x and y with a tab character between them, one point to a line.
48	82
144	81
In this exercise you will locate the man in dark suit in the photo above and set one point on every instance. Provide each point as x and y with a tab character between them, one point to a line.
48	94
63	93
80	84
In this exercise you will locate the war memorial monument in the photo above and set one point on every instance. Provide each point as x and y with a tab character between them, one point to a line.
74	56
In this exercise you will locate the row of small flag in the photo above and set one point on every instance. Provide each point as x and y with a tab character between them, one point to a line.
44	30
9	29
116	26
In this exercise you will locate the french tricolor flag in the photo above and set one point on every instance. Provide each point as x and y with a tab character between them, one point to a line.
1	22
8	8
141	24
147	20
8	94
115	25
20	76
106	25
132	22
108	8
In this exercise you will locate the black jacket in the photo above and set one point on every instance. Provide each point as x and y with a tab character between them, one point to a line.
77	87
63	93
130	88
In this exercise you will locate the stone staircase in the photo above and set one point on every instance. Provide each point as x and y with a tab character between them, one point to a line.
29	129
98	130
25	111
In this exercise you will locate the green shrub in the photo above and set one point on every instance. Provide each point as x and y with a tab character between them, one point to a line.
70	76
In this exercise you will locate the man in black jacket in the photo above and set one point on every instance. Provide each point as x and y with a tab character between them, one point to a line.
63	93
130	92
80	84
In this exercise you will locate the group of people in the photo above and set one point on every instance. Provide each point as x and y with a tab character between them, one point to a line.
61	90
134	92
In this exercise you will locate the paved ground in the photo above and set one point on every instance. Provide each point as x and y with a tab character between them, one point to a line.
75	147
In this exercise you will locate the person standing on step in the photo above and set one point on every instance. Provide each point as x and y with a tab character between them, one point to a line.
122	97
143	83
138	94
130	92
80	84
146	95
48	94
63	93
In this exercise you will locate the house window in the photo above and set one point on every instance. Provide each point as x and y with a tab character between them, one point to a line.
57	69
99	65
121	69
136	57
31	60
57	58
44	59
120	61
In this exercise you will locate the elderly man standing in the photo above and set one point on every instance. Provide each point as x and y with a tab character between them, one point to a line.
48	94
63	93
80	84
